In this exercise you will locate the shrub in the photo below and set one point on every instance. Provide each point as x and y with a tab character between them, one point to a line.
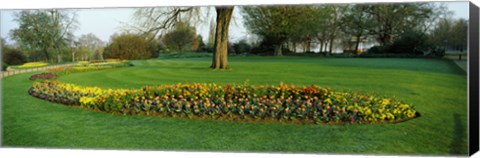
292	103
129	46
4	66
410	42
13	57
230	49
378	50
180	39
209	47
437	52
242	47
262	50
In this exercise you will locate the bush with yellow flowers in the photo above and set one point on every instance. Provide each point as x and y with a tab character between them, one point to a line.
277	103
29	65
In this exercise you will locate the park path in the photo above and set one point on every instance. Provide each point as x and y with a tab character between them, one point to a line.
459	58
20	71
462	64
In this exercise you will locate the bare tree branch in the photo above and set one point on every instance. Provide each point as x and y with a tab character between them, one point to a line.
151	22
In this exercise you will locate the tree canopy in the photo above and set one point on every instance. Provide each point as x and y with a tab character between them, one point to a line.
276	24
181	38
92	45
390	20
44	31
152	22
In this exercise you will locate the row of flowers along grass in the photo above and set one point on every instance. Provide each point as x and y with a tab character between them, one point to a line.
84	66
28	65
280	103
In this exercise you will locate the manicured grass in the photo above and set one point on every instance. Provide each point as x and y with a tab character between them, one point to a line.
437	88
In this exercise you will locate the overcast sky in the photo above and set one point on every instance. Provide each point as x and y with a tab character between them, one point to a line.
107	21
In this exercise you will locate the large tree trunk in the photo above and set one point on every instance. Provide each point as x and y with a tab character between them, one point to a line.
308	46
100	53
321	47
73	56
59	57
356	45
294	50
220	48
45	51
325	44
330	49
278	50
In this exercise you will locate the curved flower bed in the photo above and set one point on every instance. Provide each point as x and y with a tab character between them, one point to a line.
288	103
84	66
43	76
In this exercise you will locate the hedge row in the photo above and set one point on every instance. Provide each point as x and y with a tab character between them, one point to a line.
311	104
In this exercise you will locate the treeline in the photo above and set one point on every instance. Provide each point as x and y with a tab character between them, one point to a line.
391	28
396	28
47	36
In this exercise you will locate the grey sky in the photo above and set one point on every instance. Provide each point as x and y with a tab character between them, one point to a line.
107	21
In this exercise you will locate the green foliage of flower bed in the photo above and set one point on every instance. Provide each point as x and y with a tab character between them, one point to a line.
281	103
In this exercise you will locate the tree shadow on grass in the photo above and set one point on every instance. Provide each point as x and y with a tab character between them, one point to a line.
458	135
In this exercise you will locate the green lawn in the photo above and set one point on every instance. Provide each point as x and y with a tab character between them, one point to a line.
437	88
